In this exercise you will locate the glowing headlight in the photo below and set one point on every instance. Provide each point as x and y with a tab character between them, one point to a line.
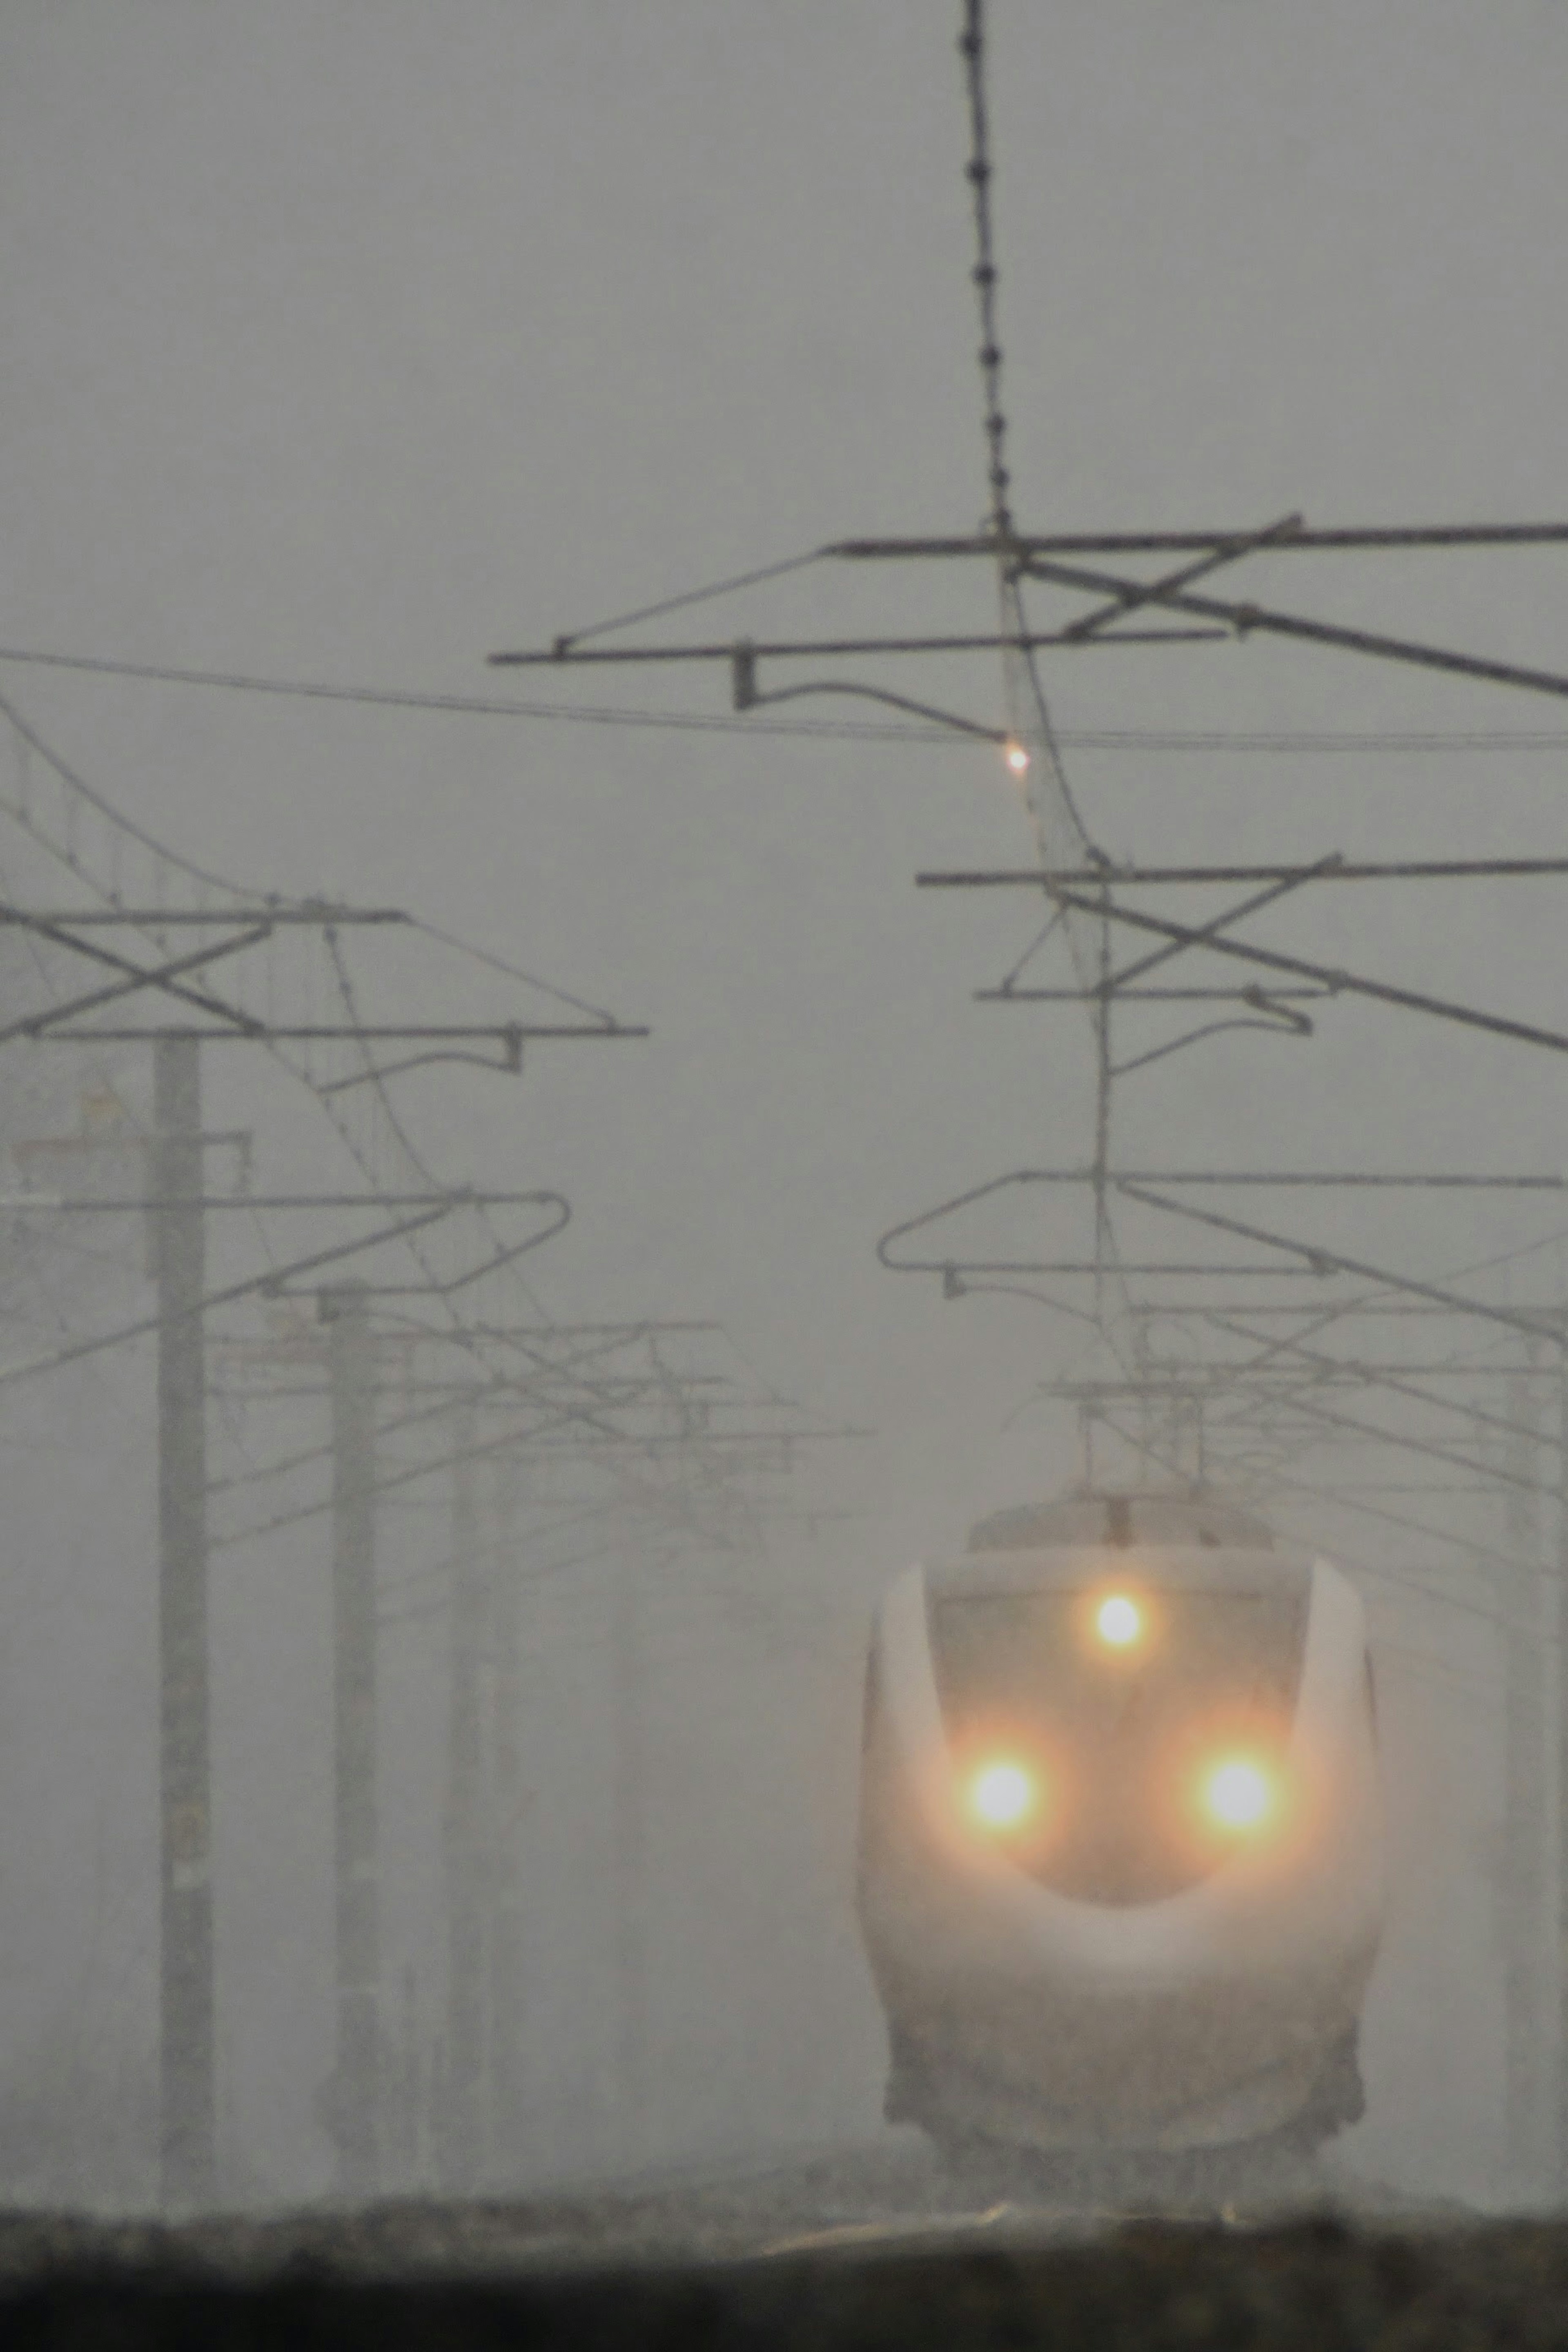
1002	1796
1119	1621
1238	1794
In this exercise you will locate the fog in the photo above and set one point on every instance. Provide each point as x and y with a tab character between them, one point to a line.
351	343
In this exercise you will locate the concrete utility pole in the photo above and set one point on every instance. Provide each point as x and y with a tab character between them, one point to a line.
187	944
185	1905
479	2109
466	1840
627	1669
351	1382
508	2089
1528	1896
1558	1630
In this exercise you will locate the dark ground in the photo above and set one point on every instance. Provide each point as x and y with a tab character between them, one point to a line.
1316	2286
809	2255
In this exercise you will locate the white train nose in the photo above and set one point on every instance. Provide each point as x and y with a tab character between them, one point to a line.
1121	1868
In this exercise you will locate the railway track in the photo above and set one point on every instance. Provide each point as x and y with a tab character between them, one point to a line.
854	2203
773	2258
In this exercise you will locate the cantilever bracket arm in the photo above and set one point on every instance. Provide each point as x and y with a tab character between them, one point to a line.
746	695
503	1256
1323	1371
1306	541
267	1285
1245	619
964	1200
1189	935
1339	869
1275	1019
403	1477
1321	1261
511	1036
721	649
1229	550
136	977
955	1271
510	1065
1494	1473
1338	983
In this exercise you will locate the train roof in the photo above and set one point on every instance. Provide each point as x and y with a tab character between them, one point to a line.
1182	1519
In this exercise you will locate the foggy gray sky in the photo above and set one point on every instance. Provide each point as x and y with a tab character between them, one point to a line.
349	343
352	343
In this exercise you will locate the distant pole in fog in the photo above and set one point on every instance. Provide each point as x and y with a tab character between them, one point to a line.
1559	1630
186	2121
175	1204
506	1822
466	2134
628	1667
1528	1903
351	1360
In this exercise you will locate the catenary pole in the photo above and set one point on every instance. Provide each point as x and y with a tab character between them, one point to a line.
356	1888
174	1202
627	1731
506	1821
1559	1734
1523	1876
466	2132
185	1905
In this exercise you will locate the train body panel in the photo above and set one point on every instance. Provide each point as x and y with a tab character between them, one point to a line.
1172	1989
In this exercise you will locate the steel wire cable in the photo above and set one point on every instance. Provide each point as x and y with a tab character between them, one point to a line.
1063	839
68	837
1059	821
1277	741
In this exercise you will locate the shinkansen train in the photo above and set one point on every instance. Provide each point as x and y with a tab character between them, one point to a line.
1120	1871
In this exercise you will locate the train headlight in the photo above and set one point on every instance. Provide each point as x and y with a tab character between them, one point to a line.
1240	1795
1119	1621
1003	1795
